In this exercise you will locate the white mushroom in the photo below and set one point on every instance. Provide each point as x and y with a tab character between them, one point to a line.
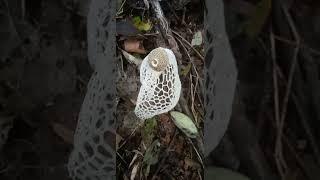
160	84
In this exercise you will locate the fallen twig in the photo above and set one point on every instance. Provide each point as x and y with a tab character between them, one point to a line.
198	154
280	124
293	43
303	117
194	70
293	65
159	14
281	164
302	45
194	49
120	10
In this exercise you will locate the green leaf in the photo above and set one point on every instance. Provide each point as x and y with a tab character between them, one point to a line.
197	39
141	25
258	18
185	124
148	131
216	173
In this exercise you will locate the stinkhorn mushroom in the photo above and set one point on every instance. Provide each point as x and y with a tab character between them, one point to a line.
160	84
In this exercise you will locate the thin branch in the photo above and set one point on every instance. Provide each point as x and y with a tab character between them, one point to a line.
293	65
184	40
278	147
303	118
197	152
275	80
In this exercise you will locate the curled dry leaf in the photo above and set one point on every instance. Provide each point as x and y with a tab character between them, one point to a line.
134	46
131	58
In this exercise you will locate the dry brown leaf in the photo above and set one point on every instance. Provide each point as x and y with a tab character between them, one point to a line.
134	46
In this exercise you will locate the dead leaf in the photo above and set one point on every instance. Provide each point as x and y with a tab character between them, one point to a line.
63	132
134	46
131	58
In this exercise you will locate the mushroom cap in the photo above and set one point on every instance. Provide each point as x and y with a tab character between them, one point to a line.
158	59
160	84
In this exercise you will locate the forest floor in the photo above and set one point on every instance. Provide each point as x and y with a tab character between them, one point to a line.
158	150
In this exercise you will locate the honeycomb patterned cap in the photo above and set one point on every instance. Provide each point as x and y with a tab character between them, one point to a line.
160	84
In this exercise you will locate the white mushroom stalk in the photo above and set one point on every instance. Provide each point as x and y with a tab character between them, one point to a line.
160	84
